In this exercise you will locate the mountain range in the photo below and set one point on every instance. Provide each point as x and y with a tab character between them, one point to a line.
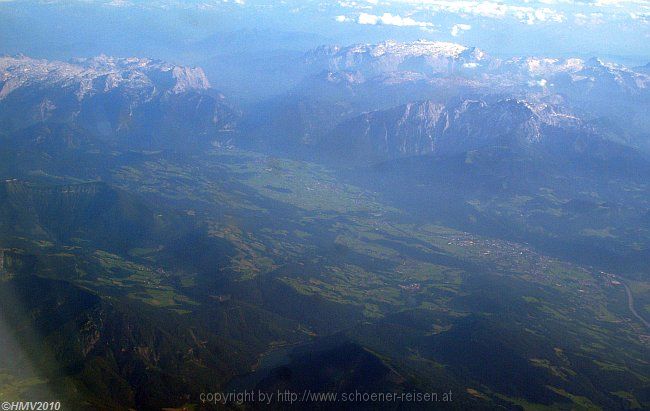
127	101
405	217
364	78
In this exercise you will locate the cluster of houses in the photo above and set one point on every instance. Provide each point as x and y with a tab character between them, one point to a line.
414	287
610	279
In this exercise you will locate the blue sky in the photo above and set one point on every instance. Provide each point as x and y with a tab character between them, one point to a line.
618	29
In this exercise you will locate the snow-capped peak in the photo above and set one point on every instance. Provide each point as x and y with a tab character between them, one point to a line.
416	48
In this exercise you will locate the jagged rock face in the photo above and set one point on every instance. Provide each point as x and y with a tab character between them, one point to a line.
590	84
136	101
429	127
435	59
421	56
100	74
370	78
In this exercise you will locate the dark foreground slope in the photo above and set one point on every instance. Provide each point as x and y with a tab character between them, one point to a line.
212	269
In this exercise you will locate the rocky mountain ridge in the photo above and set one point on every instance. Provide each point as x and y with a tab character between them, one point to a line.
100	74
365	78
134	101
429	127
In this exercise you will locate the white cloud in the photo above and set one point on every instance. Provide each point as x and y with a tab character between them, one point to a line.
582	19
457	29
118	3
642	17
388	19
617	3
522	12
531	15
353	5
206	5
365	18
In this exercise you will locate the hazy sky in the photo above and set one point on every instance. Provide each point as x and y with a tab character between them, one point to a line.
607	28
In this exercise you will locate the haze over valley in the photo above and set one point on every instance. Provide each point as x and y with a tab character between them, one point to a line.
324	204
